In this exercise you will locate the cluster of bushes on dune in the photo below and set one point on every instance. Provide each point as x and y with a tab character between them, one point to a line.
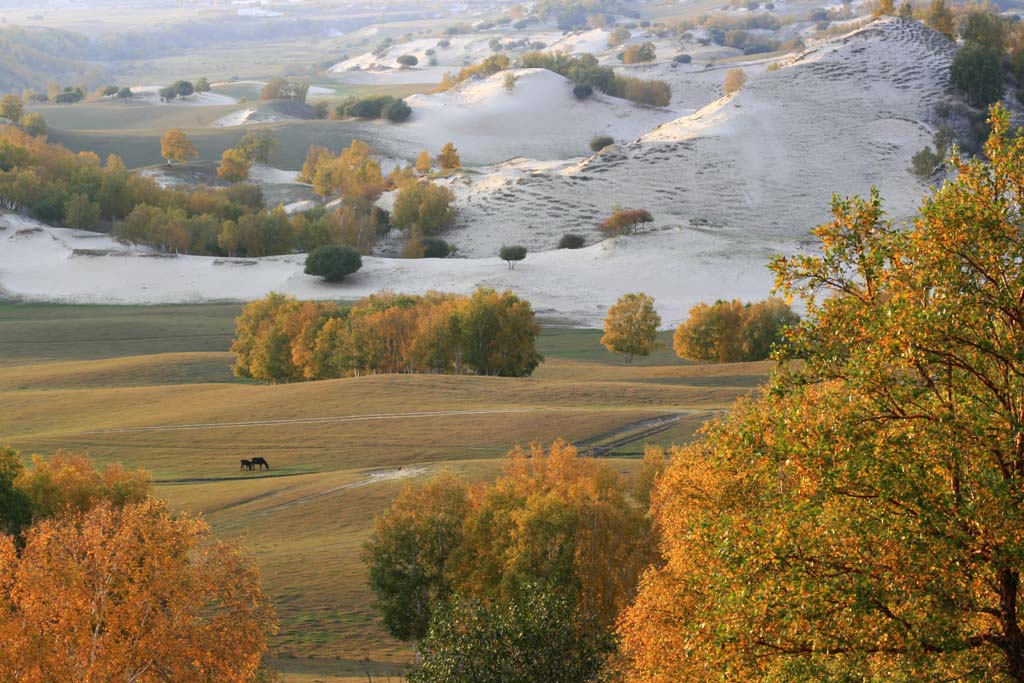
421	207
78	190
393	109
583	70
281	339
100	581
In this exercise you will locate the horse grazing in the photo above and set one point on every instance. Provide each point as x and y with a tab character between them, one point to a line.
259	463
246	465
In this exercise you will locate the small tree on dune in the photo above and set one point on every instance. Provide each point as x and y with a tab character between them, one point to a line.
631	327
734	80
424	163
449	157
626	221
512	254
176	146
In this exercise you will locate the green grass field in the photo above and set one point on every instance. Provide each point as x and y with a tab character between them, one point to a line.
151	387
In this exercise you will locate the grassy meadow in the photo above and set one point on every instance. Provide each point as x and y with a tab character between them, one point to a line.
151	387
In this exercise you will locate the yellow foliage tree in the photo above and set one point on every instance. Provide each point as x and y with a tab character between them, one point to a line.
129	594
631	326
423	162
449	157
234	167
176	146
734	80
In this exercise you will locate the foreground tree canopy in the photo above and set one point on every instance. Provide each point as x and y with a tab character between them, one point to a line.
108	585
863	519
517	580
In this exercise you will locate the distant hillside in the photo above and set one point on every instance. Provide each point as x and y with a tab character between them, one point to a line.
33	57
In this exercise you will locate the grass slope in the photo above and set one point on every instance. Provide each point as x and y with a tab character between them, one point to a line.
150	387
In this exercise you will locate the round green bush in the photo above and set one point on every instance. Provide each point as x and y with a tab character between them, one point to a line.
435	247
396	111
600	142
682	59
582	91
571	241
333	262
408	60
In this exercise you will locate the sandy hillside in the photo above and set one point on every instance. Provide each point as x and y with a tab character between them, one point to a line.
758	165
40	263
540	118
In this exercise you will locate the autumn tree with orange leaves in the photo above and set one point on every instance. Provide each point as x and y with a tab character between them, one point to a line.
863	519
107	585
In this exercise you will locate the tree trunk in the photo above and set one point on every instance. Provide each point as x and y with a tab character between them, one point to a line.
1012	641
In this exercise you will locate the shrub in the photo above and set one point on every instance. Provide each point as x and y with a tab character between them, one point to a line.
682	59
510	82
626	221
333	262
397	111
408	60
734	80
571	241
512	254
618	36
638	54
599	142
582	91
435	247
651	93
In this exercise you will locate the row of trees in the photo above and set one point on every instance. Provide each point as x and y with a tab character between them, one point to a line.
280	339
99	581
583	70
725	332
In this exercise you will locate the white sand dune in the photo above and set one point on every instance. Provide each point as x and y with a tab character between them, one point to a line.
540	118
39	263
757	166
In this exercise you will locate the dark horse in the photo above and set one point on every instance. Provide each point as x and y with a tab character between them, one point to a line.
259	463
246	464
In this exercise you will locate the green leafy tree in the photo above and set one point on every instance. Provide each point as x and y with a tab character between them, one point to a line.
408	554
529	639
498	334
333	262
512	254
80	213
256	146
977	71
15	504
